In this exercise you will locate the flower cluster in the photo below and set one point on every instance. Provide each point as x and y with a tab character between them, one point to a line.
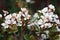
41	23
47	19
15	18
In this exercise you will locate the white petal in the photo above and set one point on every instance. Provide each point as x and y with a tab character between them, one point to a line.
14	14
23	9
6	26
14	22
8	16
19	24
39	22
27	1
0	15
25	19
8	21
42	17
43	36
36	15
44	9
42	26
3	24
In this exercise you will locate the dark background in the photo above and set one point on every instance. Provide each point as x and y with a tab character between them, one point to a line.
10	5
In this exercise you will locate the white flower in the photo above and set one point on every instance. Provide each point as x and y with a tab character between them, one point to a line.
8	21
39	11
23	9
8	16
31	24
42	26
18	16
23	15
14	14
5	12
27	1
42	17
58	29
47	32
48	25
45	20
56	16
12	19
0	15
19	21
43	36
28	17
5	25
39	22
57	21
19	24
51	7
14	22
36	15
25	19
44	10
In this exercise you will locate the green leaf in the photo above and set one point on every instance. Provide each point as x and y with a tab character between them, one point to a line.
10	38
33	37
27	37
13	29
53	29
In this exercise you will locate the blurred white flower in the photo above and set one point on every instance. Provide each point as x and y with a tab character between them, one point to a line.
42	17
5	12
30	24
5	25
56	16
44	10
43	36
14	15
12	19
39	22
57	21
39	11
8	16
51	7
25	19
47	31
0	15
42	26
19	24
8	21
58	28
24	9
36	15
28	16
14	22
18	16
47	25
27	1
